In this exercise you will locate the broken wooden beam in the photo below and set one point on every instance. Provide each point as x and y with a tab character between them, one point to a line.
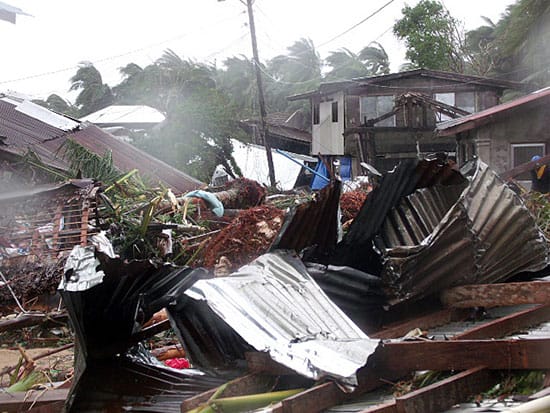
315	399
497	295
465	354
21	401
424	322
29	320
439	396
507	325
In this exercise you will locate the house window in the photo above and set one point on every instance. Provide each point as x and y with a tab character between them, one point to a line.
335	111
462	100
316	116
373	107
523	152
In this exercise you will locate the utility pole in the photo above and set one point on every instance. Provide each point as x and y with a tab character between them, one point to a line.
263	125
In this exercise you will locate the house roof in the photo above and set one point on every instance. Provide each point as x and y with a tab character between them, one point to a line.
331	87
475	120
26	126
125	114
438	74
284	124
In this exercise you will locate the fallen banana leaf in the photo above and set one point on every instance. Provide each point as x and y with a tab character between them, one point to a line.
28	382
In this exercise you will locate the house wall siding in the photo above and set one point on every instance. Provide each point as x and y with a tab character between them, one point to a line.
494	141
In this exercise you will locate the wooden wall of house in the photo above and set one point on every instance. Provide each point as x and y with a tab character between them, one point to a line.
527	126
485	97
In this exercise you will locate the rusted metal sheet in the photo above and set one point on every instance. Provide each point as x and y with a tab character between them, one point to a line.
44	132
423	238
486	116
314	223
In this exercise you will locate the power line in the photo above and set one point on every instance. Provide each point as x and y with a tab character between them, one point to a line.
114	57
357	24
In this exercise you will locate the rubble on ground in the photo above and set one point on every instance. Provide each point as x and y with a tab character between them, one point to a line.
192	301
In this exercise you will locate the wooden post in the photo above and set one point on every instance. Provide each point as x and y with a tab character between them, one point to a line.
263	125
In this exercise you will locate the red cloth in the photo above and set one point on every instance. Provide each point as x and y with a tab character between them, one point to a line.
178	363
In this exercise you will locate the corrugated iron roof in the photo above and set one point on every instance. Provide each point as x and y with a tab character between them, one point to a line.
417	241
21	131
276	307
125	114
486	116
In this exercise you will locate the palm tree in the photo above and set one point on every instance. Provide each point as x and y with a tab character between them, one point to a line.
238	80
94	94
345	65
370	61
301	64
375	59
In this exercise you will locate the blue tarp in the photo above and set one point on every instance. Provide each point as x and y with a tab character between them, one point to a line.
345	173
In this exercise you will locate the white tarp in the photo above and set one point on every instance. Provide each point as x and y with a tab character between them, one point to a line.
252	160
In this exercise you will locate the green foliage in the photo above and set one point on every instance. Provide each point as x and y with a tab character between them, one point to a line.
94	94
515	47
57	104
196	134
432	37
370	61
86	164
520	382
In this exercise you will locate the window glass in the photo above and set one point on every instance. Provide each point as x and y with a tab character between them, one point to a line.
373	107
523	152
316	117
466	101
335	111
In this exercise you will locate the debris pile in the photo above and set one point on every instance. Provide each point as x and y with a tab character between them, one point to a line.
192	301
248	236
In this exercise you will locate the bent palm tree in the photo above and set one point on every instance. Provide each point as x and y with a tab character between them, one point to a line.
94	94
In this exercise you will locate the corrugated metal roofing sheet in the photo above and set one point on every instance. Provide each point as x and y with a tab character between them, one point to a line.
124	114
21	132
276	307
441	236
485	116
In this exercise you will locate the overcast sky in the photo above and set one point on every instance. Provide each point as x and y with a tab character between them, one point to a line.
39	54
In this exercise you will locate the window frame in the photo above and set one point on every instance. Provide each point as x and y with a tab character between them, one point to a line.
334	110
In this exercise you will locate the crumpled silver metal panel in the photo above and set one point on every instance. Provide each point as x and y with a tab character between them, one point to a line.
80	272
275	306
486	235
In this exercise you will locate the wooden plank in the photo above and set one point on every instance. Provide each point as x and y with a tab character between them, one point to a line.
150	331
445	393
424	322
465	354
508	324
27	320
249	384
314	400
525	167
21	401
497	295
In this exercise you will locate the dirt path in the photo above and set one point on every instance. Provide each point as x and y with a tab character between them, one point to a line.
56	366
